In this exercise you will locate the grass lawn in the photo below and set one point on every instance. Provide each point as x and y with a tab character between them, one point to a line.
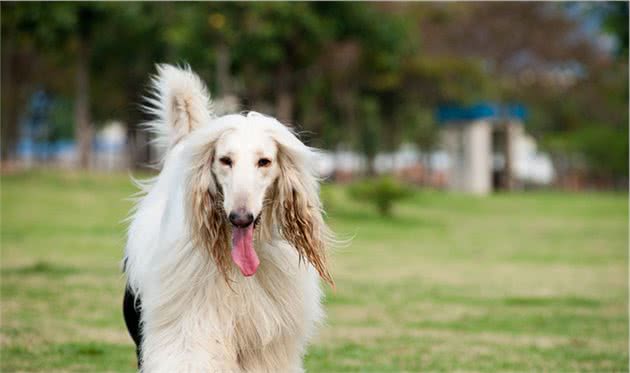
520	282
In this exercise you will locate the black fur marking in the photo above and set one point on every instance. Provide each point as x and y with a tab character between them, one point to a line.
133	312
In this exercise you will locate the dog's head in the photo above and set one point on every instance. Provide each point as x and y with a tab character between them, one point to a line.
249	177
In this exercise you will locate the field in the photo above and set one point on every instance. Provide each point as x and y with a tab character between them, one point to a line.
520	282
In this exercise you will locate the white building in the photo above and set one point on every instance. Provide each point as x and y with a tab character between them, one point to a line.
488	149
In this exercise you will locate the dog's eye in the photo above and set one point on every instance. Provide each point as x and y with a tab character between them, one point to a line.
226	161
264	162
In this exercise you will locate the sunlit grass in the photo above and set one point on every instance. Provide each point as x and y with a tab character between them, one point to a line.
525	282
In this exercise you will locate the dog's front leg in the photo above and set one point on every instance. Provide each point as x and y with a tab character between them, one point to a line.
171	351
187	343
285	354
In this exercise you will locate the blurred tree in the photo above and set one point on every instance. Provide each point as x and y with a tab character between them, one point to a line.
369	136
616	23
94	52
64	31
569	81
280	41
17	63
510	37
365	61
423	132
86	17
330	66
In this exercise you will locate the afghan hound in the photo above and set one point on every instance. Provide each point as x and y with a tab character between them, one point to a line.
227	245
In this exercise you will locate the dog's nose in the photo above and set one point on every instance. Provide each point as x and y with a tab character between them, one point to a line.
241	218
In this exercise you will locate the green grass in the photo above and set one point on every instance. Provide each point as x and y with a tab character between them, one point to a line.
519	282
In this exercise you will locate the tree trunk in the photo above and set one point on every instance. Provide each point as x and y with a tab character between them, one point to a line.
284	106
370	169
83	126
223	70
284	95
426	168
11	98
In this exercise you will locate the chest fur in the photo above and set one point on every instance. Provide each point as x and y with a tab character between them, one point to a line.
265	307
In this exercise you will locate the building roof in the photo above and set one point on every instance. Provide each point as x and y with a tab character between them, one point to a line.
485	110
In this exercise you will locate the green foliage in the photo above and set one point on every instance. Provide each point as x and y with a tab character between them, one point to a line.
605	149
382	192
445	79
616	23
421	128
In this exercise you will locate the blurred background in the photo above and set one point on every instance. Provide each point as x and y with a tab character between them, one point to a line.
420	109
518	94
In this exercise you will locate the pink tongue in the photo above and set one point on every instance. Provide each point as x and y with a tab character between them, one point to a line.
243	252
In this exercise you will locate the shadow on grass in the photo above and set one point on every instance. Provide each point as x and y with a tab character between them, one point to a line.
397	220
548	301
74	356
41	268
414	290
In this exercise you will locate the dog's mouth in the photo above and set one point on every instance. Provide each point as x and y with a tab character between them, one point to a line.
243	252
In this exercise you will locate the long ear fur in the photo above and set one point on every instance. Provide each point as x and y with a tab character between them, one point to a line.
180	103
208	224
296	205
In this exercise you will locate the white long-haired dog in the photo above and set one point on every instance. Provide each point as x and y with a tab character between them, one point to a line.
226	247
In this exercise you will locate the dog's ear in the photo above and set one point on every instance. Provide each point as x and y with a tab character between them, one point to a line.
295	202
179	102
207	221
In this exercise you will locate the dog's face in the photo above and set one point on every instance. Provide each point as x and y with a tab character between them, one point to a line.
241	170
245	165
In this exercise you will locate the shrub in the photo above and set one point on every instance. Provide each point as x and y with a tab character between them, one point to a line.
382	192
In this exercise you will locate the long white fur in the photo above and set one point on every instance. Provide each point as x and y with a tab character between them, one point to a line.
192	321
178	101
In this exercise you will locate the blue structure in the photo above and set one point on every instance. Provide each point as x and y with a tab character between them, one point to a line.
485	110
37	143
35	128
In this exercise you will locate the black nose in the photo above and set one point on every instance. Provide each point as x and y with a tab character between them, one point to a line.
241	218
